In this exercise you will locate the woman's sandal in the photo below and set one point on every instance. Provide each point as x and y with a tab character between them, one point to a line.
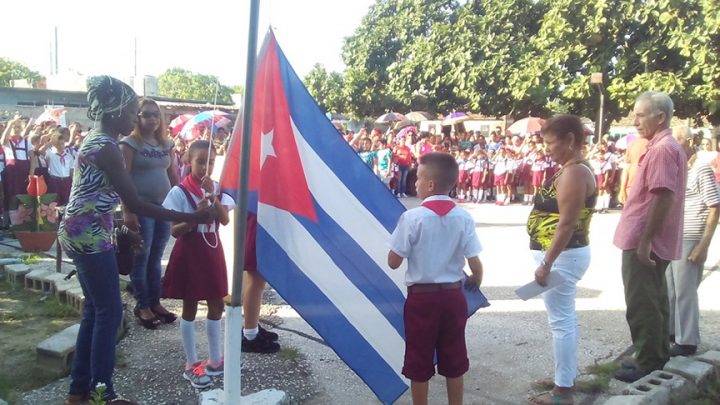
151	323
551	398
165	316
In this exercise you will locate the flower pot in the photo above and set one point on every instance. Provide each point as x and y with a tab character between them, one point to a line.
36	241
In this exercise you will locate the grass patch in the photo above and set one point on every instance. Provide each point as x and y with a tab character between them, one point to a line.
603	372
30	259
27	318
289	353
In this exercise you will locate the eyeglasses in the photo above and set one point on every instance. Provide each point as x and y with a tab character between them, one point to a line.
149	114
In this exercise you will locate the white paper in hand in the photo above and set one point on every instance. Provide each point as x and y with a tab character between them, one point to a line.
533	289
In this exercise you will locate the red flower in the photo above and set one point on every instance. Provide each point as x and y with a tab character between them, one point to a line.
36	186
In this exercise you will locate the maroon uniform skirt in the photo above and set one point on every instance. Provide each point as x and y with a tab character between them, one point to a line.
60	186
195	271
600	178
500	180
15	178
462	178
537	178
477	180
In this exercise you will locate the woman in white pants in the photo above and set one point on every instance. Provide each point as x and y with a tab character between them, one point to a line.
559	226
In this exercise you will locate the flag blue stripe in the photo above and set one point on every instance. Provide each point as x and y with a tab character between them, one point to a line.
336	152
357	266
318	311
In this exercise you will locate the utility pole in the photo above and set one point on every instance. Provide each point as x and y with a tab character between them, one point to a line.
56	50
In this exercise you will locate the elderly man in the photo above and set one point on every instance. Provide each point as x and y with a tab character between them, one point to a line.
650	233
702	200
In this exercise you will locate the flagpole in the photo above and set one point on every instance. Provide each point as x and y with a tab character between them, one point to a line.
234	319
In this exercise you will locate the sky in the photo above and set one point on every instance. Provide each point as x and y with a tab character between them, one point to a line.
208	37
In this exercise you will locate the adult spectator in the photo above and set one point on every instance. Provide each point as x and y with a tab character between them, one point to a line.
86	234
559	227
702	200
149	160
495	142
706	154
650	234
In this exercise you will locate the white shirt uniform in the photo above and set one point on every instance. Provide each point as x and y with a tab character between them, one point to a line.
59	165
177	201
435	246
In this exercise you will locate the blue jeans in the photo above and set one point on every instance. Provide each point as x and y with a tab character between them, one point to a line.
94	358
402	182
147	268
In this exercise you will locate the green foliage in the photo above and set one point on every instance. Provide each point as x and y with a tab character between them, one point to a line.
522	57
183	84
326	88
10	70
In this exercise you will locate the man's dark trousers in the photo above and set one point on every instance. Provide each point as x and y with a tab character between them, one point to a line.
646	298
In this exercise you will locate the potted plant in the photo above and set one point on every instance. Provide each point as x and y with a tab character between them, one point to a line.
36	221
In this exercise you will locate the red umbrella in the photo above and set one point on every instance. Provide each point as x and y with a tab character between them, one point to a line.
526	125
177	124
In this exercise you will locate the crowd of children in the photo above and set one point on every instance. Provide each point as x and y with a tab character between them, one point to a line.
500	170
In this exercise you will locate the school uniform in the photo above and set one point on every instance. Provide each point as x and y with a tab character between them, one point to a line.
600	168
500	171
196	271
462	174
17	167
477	174
436	238
538	171
59	166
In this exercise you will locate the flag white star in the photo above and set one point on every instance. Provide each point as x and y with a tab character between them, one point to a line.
266	147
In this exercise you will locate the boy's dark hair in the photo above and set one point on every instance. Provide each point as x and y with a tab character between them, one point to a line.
196	146
442	168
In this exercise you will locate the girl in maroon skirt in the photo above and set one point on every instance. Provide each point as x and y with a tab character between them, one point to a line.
196	270
18	166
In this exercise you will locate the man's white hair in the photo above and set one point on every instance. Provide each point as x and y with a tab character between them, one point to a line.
660	102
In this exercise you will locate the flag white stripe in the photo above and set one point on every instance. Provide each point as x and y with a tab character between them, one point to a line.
340	203
315	263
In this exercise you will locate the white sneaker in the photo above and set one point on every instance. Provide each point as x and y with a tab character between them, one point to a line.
214	370
404	195
197	376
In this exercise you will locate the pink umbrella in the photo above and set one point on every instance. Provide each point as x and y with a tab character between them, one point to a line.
193	127
176	125
526	125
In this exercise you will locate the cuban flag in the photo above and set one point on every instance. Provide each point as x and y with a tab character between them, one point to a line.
324	220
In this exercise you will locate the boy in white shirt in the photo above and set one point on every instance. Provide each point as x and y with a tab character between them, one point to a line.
60	163
436	238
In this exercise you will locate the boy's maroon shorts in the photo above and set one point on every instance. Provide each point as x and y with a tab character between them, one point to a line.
435	322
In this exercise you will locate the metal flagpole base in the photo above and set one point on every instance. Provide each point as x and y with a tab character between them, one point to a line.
233	353
264	397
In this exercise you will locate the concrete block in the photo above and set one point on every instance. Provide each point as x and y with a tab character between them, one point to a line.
628	400
696	371
710	357
16	273
51	280
75	298
56	351
678	388
33	280
63	286
264	397
616	387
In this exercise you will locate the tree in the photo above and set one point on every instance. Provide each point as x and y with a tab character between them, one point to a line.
369	54
10	70
326	88
183	84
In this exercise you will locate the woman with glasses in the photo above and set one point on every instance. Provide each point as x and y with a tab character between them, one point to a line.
149	160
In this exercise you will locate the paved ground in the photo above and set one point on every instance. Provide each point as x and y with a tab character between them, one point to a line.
509	342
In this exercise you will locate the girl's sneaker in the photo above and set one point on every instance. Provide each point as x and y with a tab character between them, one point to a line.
214	370
267	335
197	376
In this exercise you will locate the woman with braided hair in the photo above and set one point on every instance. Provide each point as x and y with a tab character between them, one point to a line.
99	182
